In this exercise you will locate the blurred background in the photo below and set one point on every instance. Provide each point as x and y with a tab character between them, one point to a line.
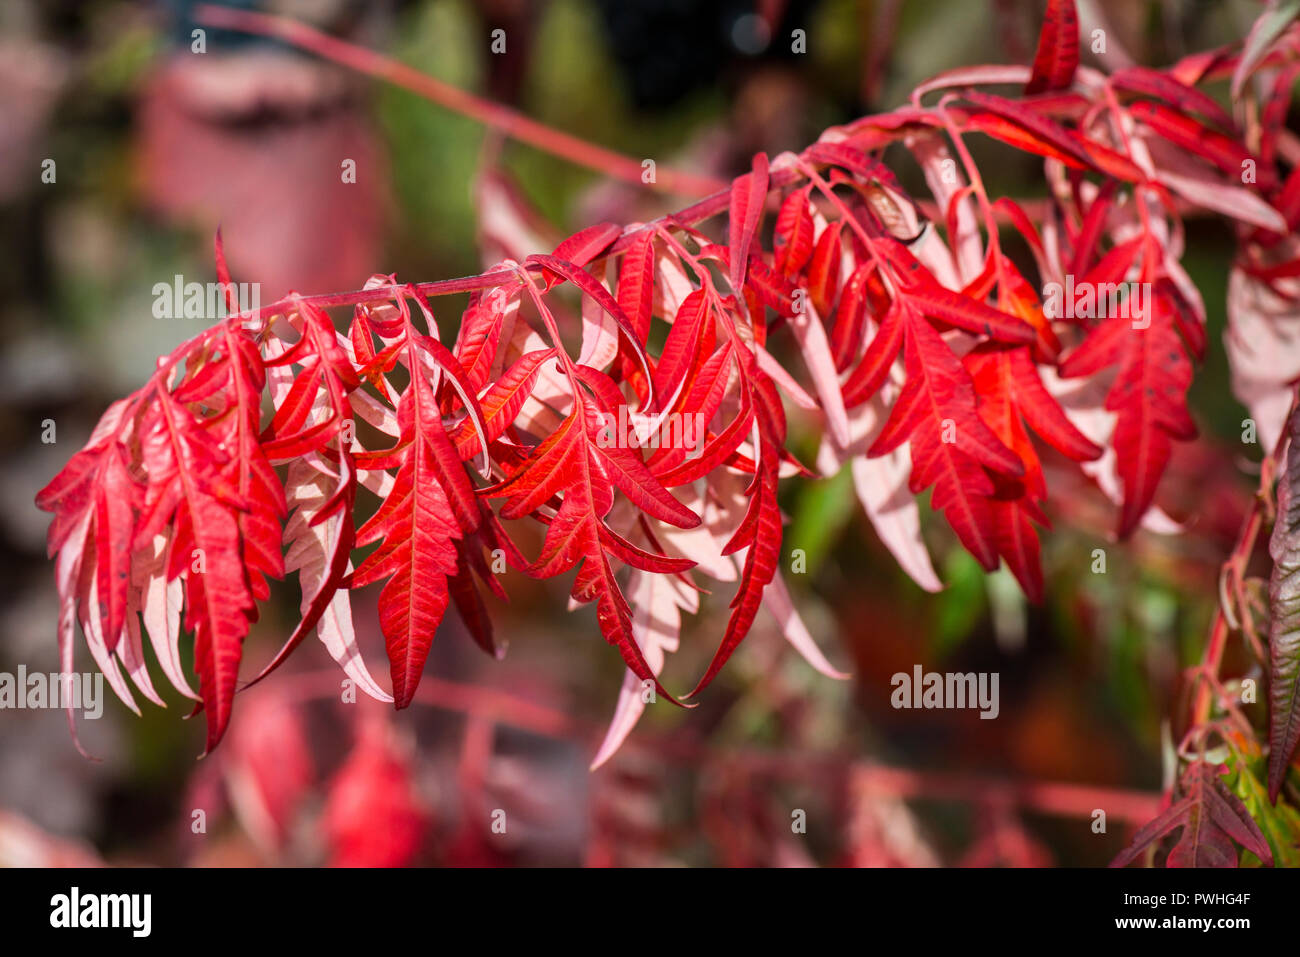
153	146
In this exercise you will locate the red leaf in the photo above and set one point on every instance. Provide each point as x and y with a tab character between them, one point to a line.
502	402
690	339
480	333
117	498
373	816
854	160
205	548
1223	151
759	533
927	296
748	196
1148	82
951	446
1017	124
223	274
268	767
586	244
635	295
582	468
1212	819
823	274
793	237
851	313
258	485
1149	395
431	505
1058	49
962	312
1011	397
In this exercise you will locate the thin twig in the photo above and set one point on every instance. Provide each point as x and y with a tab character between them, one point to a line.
1232	571
509	122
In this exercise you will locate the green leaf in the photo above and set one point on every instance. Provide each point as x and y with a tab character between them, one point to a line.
1279	823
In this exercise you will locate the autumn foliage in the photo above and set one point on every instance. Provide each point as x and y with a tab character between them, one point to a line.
912	329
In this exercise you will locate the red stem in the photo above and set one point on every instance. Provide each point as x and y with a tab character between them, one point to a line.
1236	565
510	122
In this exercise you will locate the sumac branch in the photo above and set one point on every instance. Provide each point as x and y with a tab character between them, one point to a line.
931	358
